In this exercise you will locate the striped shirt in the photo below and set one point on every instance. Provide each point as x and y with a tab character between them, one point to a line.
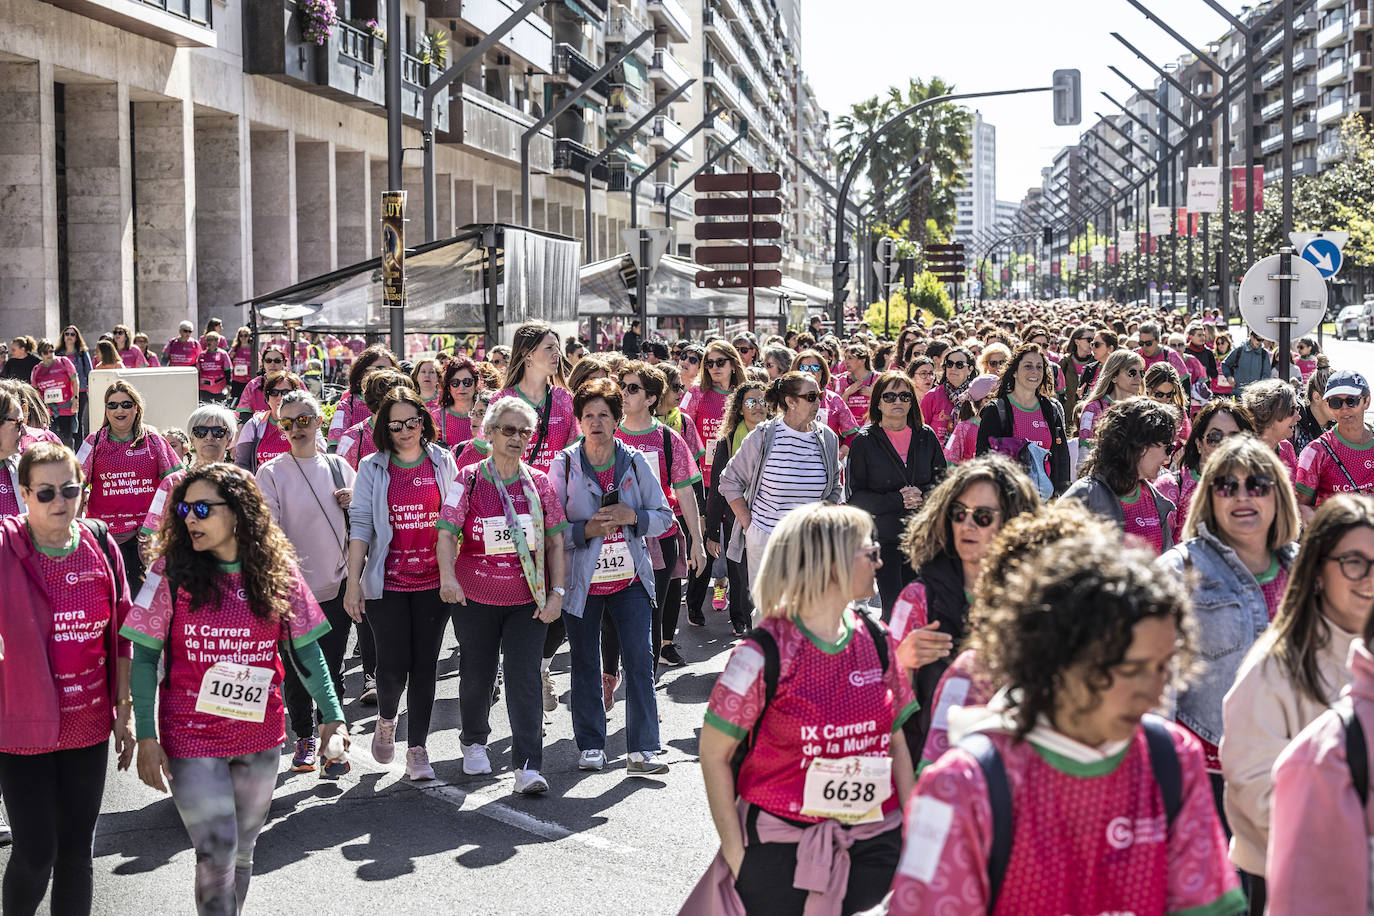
793	476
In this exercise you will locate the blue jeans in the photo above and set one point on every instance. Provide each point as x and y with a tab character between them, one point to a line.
630	612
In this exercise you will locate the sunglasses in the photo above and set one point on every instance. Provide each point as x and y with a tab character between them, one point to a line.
1146	343
1353	566
48	494
462	382
872	554
209	432
959	365
68	333
1216	437
278	392
717	363
809	367
892	397
288	424
1256	485
1099	343
397	425
679	388
983	516
744	348
753	403
1338	402
810	396
631	388
200	508
694	360
996	363
272	362
511	431
1132	373
119	405
1159	394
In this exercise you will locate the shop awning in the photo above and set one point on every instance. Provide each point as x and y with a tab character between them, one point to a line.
673	293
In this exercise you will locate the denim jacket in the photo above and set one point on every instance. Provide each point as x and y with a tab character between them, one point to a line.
1229	609
574	481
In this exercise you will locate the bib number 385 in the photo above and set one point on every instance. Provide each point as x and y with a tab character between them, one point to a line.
234	691
849	789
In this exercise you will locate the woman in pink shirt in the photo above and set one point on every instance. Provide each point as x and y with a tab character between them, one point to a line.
251	399
938	407
1274	406
56	380
241	354
123	341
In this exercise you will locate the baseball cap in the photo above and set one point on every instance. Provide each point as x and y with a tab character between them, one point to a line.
187	326
981	387
1346	381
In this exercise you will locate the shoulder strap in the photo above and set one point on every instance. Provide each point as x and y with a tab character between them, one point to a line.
772	665
101	532
1164	762
543	423
875	631
1004	415
1339	463
1356	752
981	748
335	470
668	458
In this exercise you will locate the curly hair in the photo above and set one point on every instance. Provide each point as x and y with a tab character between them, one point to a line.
930	532
380	382
1075	608
267	557
734	407
1192	449
1127	430
363	365
1007	383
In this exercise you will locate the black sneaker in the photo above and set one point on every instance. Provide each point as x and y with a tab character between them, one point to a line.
670	656
740	629
697	620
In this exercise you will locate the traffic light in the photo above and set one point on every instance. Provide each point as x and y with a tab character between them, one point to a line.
1068	97
1047	237
840	283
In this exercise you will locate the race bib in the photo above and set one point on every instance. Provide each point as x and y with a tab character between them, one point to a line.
498	538
613	564
823	416
850	790
52	395
235	691
240	371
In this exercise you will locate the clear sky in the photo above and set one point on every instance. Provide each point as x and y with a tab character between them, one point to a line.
854	49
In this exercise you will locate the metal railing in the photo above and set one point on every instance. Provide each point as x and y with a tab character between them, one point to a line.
355	43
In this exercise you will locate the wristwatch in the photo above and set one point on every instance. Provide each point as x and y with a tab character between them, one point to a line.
559	591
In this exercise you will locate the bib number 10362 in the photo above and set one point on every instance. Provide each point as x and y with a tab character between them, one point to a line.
849	789
235	691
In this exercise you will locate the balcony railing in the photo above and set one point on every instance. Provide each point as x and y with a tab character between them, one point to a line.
1332	35
1359	101
672	15
488	125
1360	60
666	70
1331	74
667	132
682	200
624	106
531	40
1329	152
573	157
1331	111
724	37
569	62
197	11
1361	20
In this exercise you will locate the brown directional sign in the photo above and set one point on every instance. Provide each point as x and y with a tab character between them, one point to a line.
739	254
739	181
763	229
738	279
935	249
950	278
738	206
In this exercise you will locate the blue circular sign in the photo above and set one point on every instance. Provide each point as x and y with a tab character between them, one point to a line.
1325	255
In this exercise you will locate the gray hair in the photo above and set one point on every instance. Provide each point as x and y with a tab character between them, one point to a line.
498	410
213	415
301	396
1151	328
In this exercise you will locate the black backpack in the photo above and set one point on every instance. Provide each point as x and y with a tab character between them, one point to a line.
1356	751
101	532
772	664
1163	761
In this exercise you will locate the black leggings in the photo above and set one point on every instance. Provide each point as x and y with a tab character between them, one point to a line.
409	629
610	639
65	428
53	801
300	707
133	565
893	576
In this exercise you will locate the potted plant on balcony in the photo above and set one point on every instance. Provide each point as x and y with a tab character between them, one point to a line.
318	18
434	48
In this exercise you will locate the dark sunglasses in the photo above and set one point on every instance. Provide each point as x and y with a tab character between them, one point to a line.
743	348
892	397
872	554
809	367
1216	437
1256	485
996	363
753	403
119	405
397	425
694	360
272	362
510	431
1159	394
48	494
631	387
462	382
1353	566
1132	373
810	396
278	392
1099	343
717	363
209	432
679	388
983	516
289	423
1147	343
201	508
959	365
1338	402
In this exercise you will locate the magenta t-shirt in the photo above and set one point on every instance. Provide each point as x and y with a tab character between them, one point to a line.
215	368
833	701
133	358
181	352
454	428
56	384
1142	519
9	500
356	444
124	477
158	508
273	441
684	471
349	412
413	501
858	402
1320	477
471	452
242	358
487	567
834	412
901	441
963	442
229	631
708	413
939	412
562	428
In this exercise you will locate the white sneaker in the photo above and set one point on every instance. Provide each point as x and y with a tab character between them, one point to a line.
550	698
644	763
475	760
530	782
5	836
593	759
417	764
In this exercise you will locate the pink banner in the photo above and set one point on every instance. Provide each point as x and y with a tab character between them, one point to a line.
1238	189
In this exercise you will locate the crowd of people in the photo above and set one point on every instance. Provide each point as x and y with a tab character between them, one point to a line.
1045	608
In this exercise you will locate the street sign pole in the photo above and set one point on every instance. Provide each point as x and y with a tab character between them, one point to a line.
642	283
1286	279
749	221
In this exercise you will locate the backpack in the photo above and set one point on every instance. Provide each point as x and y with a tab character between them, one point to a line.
1030	456
1163	761
772	665
1356	750
101	532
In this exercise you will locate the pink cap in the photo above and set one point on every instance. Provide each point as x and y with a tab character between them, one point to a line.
981	387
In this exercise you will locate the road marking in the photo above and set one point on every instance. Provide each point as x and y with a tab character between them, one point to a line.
491	804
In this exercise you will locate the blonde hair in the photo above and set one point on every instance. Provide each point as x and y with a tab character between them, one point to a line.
1116	363
1245	454
811	549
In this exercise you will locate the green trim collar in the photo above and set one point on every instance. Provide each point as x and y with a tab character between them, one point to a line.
831	648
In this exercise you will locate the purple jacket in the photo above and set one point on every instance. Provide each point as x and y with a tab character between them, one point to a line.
28	696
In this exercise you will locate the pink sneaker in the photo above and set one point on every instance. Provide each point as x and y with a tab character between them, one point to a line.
417	764
384	740
608	684
718	600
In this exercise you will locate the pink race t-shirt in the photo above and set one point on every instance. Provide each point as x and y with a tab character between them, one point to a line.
215	368
1187	486
455	429
158	508
834	412
9	499
833	701
181	352
488	568
1321	477
962	684
562	427
708	413
939	411
1092	415
613	564
242	358
1142	520
133	358
471	452
682	474
1088	837
413	501
1273	582
1030	424
124	477
858	402
1289	457
226	630
962	444
356	444
349	412
57	386
273	441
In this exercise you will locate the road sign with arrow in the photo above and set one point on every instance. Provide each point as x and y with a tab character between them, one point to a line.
1323	250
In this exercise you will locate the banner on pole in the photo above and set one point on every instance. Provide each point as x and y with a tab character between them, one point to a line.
1111	254
1083	262
1126	241
1238	189
1204	189
393	249
1187	222
1159	221
1098	253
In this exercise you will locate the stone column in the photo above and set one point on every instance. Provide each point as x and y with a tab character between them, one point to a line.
443	205
316	217
100	228
222	240
274	210
413	182
353	178
506	206
486	203
464	202
164	216
28	202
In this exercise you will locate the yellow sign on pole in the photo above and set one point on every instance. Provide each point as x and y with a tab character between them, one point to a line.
394	249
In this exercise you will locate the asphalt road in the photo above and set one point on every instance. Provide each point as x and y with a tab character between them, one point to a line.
375	842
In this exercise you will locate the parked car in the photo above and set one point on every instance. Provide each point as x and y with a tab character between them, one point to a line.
1364	323
1347	322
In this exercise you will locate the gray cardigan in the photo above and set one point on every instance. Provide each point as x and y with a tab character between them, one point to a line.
1097	497
574	481
742	475
369	516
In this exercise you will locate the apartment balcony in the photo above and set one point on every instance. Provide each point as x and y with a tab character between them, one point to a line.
622	29
1332	35
1360	62
181	23
682	201
722	128
1359	101
717	75
491	128
594	9
531	40
668	74
1328	153
731	9
1361	20
723	37
1331	111
1307	165
1302	60
1305	22
1302	133
666	134
573	158
348	68
623	175
1331	74
672	16
572	68
1329	4
624	107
